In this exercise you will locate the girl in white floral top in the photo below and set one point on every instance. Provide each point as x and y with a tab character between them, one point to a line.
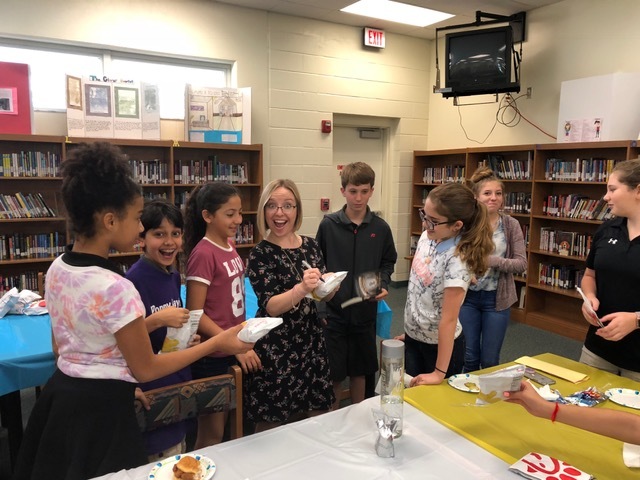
83	424
454	246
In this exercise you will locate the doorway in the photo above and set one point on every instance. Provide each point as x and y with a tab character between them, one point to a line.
359	144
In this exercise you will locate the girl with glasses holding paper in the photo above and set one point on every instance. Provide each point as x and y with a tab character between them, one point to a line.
454	246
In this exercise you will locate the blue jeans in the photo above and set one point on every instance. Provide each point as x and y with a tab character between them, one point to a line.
421	357
484	328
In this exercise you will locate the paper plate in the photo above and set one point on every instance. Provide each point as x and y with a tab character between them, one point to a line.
467	382
164	470
625	397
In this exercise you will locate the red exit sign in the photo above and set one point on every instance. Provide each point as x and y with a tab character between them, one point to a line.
373	37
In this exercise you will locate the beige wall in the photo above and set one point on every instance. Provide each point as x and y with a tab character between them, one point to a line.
569	40
303	71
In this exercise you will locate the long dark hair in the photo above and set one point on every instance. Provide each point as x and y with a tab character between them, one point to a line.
457	202
210	197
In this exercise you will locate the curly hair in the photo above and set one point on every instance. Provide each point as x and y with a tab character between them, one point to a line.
96	177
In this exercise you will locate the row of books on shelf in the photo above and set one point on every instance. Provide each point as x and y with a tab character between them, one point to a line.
447	174
579	170
22	281
577	206
560	276
150	172
19	205
576	244
517	202
201	171
244	234
509	169
40	245
30	164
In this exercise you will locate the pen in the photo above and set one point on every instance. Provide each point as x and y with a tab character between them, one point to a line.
306	265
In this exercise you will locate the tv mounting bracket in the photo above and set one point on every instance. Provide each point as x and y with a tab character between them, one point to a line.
516	21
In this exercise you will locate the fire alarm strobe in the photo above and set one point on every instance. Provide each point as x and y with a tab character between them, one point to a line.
326	126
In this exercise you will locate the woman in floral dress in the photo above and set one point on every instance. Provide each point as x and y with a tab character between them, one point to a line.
294	381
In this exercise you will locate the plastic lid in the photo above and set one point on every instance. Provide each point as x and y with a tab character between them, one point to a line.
392	349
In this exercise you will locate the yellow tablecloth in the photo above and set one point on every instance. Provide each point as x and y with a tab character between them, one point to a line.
509	432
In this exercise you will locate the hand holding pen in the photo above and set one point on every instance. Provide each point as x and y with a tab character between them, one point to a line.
306	265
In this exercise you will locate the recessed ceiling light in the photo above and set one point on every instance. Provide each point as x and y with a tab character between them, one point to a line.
396	12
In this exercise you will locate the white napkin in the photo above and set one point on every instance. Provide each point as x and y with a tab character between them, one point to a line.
331	282
631	455
546	393
537	466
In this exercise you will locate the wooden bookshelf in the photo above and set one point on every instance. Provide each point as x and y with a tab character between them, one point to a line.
154	164
546	306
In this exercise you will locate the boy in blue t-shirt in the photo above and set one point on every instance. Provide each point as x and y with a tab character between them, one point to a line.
158	282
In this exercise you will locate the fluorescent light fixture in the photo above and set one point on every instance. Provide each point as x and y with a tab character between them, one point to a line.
396	12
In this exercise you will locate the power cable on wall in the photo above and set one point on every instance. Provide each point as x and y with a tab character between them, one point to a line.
506	106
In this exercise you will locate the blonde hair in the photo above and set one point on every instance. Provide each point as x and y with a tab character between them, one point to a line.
271	187
455	202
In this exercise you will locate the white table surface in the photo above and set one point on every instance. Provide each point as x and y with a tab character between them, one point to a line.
340	445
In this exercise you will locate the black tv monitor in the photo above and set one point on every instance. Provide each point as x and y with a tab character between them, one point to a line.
480	62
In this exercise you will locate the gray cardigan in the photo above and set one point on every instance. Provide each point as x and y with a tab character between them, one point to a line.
514	261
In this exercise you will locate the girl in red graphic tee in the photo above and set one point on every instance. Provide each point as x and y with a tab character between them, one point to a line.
215	283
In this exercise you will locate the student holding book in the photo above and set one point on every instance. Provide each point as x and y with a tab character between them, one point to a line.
612	278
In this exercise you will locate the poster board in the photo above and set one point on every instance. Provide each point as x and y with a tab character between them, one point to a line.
15	99
127	115
150	108
112	108
599	108
98	108
217	115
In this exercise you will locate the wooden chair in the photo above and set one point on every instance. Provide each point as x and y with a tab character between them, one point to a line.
175	403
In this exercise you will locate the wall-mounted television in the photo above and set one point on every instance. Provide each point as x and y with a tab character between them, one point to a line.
480	62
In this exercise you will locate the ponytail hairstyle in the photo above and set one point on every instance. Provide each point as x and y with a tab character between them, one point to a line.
480	176
455	201
210	197
628	172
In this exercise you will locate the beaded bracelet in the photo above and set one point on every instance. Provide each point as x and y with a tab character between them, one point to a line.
555	412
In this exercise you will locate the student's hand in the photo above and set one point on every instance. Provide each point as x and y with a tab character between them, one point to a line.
250	362
195	340
530	400
399	337
228	342
139	395
383	293
620	324
595	304
172	316
433	378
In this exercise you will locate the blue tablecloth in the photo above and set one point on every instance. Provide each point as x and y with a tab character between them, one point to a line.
26	357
